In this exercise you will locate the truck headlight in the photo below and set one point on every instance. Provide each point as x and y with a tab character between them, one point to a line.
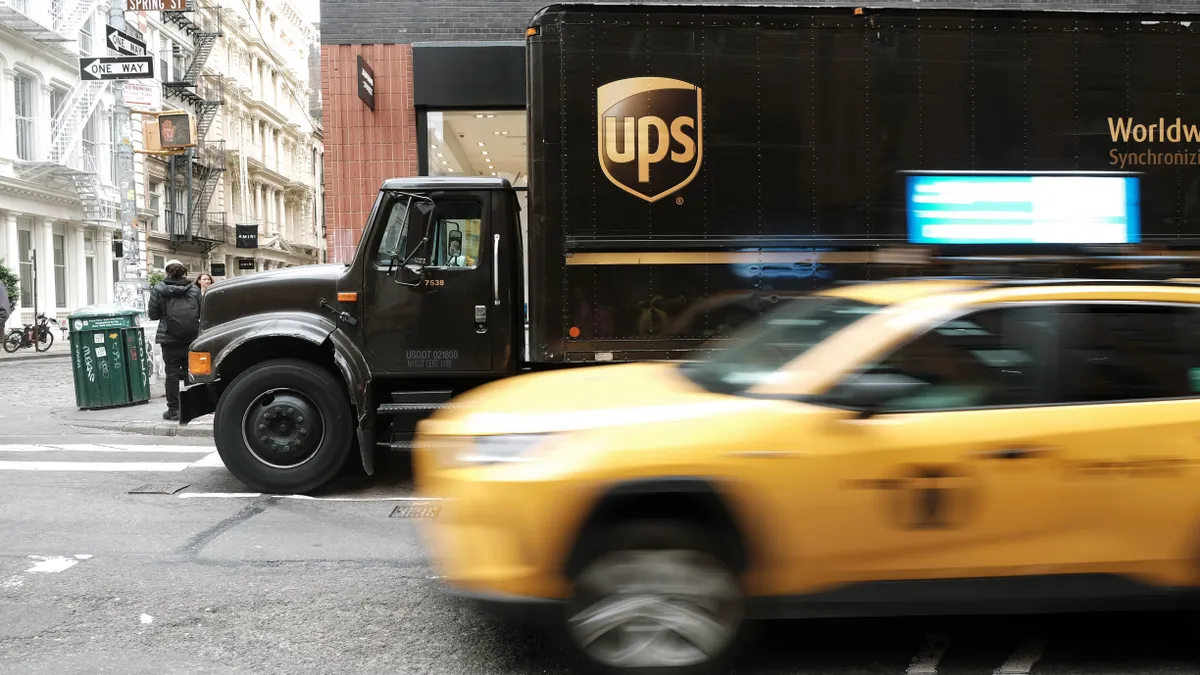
501	449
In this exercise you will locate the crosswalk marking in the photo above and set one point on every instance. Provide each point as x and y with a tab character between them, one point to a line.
91	447
926	660
93	466
74	457
1022	660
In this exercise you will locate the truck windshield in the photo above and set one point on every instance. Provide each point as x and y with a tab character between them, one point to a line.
775	340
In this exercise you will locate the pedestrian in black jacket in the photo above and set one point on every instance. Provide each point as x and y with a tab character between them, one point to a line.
175	305
4	309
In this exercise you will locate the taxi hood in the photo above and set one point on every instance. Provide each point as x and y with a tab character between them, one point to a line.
583	398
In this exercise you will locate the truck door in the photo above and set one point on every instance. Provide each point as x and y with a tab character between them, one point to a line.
433	315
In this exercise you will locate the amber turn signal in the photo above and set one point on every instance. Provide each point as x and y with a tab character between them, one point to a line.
347	297
199	363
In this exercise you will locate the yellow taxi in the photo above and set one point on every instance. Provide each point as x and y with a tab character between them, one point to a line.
907	447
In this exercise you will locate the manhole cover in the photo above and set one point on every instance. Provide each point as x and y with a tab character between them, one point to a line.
416	510
164	489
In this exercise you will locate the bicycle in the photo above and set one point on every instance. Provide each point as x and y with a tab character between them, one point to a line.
41	338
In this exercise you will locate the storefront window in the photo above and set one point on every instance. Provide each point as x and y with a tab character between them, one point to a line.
478	143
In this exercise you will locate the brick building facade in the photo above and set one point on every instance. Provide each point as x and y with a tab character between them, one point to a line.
397	138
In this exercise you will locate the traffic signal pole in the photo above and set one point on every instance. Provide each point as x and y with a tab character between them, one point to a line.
133	266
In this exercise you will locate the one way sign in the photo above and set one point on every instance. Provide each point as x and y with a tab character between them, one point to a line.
117	68
123	43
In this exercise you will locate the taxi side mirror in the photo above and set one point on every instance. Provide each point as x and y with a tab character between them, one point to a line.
869	392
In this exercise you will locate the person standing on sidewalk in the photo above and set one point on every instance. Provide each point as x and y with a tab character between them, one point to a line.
4	308
175	305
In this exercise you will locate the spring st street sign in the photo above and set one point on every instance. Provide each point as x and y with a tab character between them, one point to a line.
156	5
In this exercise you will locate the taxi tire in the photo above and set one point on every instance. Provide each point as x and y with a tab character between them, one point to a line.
321	387
658	535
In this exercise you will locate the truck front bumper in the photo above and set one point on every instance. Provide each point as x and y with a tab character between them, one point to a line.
197	400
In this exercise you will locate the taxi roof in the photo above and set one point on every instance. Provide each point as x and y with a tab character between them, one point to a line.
901	290
896	291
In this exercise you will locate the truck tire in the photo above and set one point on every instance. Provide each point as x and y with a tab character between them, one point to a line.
662	584
284	426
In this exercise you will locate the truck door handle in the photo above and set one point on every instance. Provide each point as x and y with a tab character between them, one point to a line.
1016	452
496	270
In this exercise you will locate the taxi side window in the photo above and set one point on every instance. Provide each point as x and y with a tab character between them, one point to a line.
993	358
1127	352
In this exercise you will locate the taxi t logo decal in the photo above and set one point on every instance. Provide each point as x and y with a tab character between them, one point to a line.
928	496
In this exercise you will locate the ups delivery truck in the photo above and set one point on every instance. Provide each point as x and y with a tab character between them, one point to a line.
690	168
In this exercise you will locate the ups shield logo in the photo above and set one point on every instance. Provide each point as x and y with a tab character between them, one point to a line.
650	135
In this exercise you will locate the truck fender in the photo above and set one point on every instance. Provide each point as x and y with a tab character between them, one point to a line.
354	368
318	331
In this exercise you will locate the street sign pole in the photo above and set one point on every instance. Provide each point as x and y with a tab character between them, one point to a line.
133	266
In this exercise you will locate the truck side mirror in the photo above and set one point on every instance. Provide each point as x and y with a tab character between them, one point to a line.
409	274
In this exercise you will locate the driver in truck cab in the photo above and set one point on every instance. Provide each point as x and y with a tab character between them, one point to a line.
455	257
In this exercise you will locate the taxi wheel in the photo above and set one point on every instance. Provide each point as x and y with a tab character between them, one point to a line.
655	598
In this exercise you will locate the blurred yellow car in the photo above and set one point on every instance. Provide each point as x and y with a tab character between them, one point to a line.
908	447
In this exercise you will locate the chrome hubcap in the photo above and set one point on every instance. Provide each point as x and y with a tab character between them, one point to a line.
642	609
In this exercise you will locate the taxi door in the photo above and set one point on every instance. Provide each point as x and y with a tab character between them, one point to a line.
957	476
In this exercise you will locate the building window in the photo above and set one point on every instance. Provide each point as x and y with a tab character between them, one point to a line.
91	280
476	143
154	204
89	250
23	110
114	144
179	224
178	62
159	262
24	247
85	37
58	98
164	53
116	271
60	271
89	143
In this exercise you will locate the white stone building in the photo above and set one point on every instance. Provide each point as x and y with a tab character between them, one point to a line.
244	78
256	86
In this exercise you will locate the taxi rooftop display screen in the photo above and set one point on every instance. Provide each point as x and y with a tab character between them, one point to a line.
1023	209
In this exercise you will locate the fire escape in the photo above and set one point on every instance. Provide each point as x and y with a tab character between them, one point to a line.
63	162
198	172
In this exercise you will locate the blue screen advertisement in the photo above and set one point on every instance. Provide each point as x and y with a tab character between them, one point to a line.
1023	209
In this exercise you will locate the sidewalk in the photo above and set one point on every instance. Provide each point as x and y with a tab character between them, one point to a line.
144	418
60	349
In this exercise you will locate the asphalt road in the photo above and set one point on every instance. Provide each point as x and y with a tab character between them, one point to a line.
96	580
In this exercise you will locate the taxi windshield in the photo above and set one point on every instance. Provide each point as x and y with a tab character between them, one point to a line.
775	340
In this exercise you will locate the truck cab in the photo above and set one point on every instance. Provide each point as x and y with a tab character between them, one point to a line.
302	364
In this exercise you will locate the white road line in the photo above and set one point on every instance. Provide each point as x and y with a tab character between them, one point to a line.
926	660
250	495
1022	660
211	460
93	466
148	449
51	564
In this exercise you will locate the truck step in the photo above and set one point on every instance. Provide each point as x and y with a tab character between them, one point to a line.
422	396
397	408
409	445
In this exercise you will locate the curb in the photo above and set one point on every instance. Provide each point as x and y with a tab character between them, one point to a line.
147	428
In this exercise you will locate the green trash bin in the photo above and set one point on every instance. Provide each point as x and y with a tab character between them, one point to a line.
109	358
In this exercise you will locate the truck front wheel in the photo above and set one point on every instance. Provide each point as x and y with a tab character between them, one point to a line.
284	426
